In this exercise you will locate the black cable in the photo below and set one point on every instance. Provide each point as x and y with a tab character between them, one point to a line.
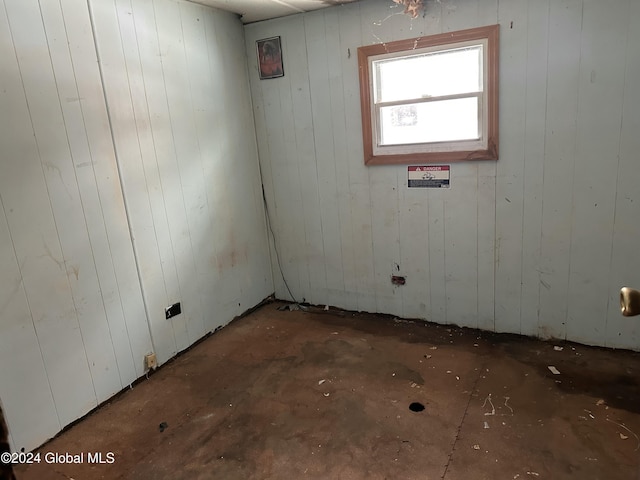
275	246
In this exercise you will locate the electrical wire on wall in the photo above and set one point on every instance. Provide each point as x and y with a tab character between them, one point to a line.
296	305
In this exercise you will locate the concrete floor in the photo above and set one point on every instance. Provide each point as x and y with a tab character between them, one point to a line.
289	395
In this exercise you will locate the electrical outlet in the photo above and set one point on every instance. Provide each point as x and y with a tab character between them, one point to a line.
150	361
172	310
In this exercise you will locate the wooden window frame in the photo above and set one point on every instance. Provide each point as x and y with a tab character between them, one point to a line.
491	35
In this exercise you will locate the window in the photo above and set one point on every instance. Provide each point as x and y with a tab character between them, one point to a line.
431	98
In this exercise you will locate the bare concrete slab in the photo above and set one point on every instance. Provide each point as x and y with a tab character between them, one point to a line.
327	395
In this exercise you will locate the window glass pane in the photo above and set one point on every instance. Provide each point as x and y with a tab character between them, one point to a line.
447	72
437	121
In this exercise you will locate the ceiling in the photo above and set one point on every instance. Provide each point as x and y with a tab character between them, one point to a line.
257	10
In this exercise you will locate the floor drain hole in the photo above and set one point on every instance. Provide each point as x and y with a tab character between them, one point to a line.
416	407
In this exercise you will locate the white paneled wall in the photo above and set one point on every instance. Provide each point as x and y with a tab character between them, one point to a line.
177	90
536	243
95	96
73	327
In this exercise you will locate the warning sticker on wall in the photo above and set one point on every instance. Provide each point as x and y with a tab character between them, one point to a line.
429	176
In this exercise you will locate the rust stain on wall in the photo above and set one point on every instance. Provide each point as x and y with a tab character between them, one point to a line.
232	254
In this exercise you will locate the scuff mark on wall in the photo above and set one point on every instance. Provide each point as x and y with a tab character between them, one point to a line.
48	253
54	167
75	270
232	254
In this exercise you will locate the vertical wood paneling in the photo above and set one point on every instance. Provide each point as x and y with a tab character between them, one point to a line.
29	410
413	220
323	160
292	234
36	192
74	229
337	54
461	248
111	47
202	105
259	106
509	175
486	245
351	31
385	232
460	209
486	14
202	77
241	161
262	141
187	149
625	267
322	74
190	179
76	328
383	192
601	81
502	249
296	218
417	228
565	22
110	242
63	223
535	114
288	217
308	166
308	172
142	54
437	256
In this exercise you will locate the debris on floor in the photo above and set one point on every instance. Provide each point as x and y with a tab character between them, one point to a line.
255	384
506	404
628	430
163	426
291	307
493	409
554	370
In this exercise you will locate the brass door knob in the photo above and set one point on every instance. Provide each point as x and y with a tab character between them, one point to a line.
629	302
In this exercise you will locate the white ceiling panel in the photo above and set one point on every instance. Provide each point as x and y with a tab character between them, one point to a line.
257	10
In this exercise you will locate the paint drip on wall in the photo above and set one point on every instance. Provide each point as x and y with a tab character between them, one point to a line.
411	7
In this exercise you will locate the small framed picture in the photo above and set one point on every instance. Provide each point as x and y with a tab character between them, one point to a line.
270	58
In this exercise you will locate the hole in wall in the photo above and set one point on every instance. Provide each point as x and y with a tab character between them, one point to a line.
416	407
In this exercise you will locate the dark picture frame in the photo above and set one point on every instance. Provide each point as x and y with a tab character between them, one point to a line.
269	58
